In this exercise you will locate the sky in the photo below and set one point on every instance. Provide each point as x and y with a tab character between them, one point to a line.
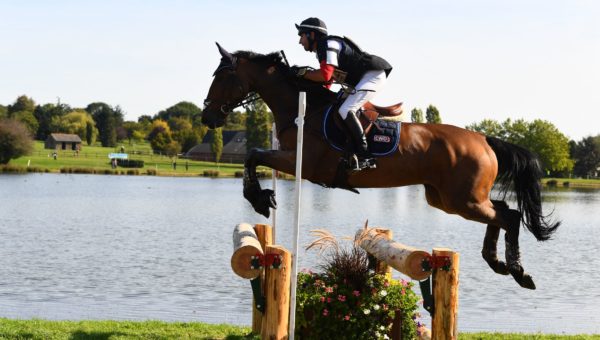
472	59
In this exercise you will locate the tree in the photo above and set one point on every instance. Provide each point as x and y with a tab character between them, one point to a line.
27	118
416	115
235	121
23	103
217	143
133	131
539	136
433	115
180	110
258	126
172	149
77	122
586	154
3	111
488	127
15	140
160	136
45	114
107	120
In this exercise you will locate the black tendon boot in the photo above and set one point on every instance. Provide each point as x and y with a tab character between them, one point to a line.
364	159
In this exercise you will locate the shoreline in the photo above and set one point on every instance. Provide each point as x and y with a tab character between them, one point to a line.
233	172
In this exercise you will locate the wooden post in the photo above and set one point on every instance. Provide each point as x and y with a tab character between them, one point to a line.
264	232
445	292
277	294
245	245
381	267
403	258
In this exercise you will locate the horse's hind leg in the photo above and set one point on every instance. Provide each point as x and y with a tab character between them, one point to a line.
512	221
489	251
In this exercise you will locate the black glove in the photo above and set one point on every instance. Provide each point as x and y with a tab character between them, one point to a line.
298	71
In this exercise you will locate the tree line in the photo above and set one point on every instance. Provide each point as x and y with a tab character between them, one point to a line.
178	128
171	131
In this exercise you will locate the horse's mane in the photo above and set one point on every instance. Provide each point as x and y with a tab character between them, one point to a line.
275	59
263	59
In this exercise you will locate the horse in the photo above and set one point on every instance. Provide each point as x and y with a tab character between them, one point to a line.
457	167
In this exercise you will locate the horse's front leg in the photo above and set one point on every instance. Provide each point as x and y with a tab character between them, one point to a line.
264	199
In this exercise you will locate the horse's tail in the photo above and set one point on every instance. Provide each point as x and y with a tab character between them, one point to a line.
521	168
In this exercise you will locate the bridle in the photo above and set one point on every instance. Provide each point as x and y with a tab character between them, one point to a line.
250	97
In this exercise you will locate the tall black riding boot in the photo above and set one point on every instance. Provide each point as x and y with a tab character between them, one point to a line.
364	158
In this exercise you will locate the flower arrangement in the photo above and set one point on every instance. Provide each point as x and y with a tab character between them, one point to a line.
347	300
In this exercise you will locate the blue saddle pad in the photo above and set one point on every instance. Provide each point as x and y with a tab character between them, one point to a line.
382	138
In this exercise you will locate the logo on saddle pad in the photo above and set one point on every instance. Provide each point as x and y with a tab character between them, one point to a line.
382	137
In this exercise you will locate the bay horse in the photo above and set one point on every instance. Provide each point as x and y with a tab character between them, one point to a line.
457	167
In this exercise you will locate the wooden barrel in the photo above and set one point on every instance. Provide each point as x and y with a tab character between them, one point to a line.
245	246
405	259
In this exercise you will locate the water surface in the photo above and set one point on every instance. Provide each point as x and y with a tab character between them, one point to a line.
115	247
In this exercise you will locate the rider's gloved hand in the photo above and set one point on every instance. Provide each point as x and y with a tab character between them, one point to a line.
298	71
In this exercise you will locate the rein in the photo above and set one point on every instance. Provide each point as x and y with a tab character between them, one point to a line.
251	97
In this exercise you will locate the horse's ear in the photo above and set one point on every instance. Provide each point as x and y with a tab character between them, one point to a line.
224	53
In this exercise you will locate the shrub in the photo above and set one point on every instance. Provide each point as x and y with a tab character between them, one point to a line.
348	298
552	183
151	172
211	173
239	174
15	140
130	163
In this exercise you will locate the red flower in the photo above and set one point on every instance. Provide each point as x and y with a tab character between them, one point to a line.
356	293
325	312
341	298
322	298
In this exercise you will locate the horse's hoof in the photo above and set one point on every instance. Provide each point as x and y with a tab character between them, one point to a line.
526	281
265	201
523	279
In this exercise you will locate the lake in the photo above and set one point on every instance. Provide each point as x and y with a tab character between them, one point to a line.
115	247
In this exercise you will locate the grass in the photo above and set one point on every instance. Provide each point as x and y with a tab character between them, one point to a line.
105	330
95	159
112	330
572	182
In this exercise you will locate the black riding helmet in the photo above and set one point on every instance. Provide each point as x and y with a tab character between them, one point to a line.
312	25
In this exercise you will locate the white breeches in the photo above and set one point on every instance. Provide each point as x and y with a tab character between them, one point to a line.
366	89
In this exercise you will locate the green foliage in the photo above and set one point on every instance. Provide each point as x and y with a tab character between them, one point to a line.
258	126
130	163
432	114
416	115
172	149
160	136
77	122
349	301
235	121
107	120
45	115
3	111
217	143
27	118
183	109
539	136
23	103
586	154
15	140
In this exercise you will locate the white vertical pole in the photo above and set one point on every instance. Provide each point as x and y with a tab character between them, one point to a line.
294	278
274	146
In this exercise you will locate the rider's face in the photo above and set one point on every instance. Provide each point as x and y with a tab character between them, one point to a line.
304	41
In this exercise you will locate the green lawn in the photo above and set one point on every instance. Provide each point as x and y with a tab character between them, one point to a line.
111	330
104	330
96	157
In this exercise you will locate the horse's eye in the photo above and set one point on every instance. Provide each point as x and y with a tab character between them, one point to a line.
206	103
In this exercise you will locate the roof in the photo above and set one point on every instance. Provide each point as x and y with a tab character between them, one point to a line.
64	137
234	142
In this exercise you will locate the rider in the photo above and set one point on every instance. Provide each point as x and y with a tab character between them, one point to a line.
365	72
